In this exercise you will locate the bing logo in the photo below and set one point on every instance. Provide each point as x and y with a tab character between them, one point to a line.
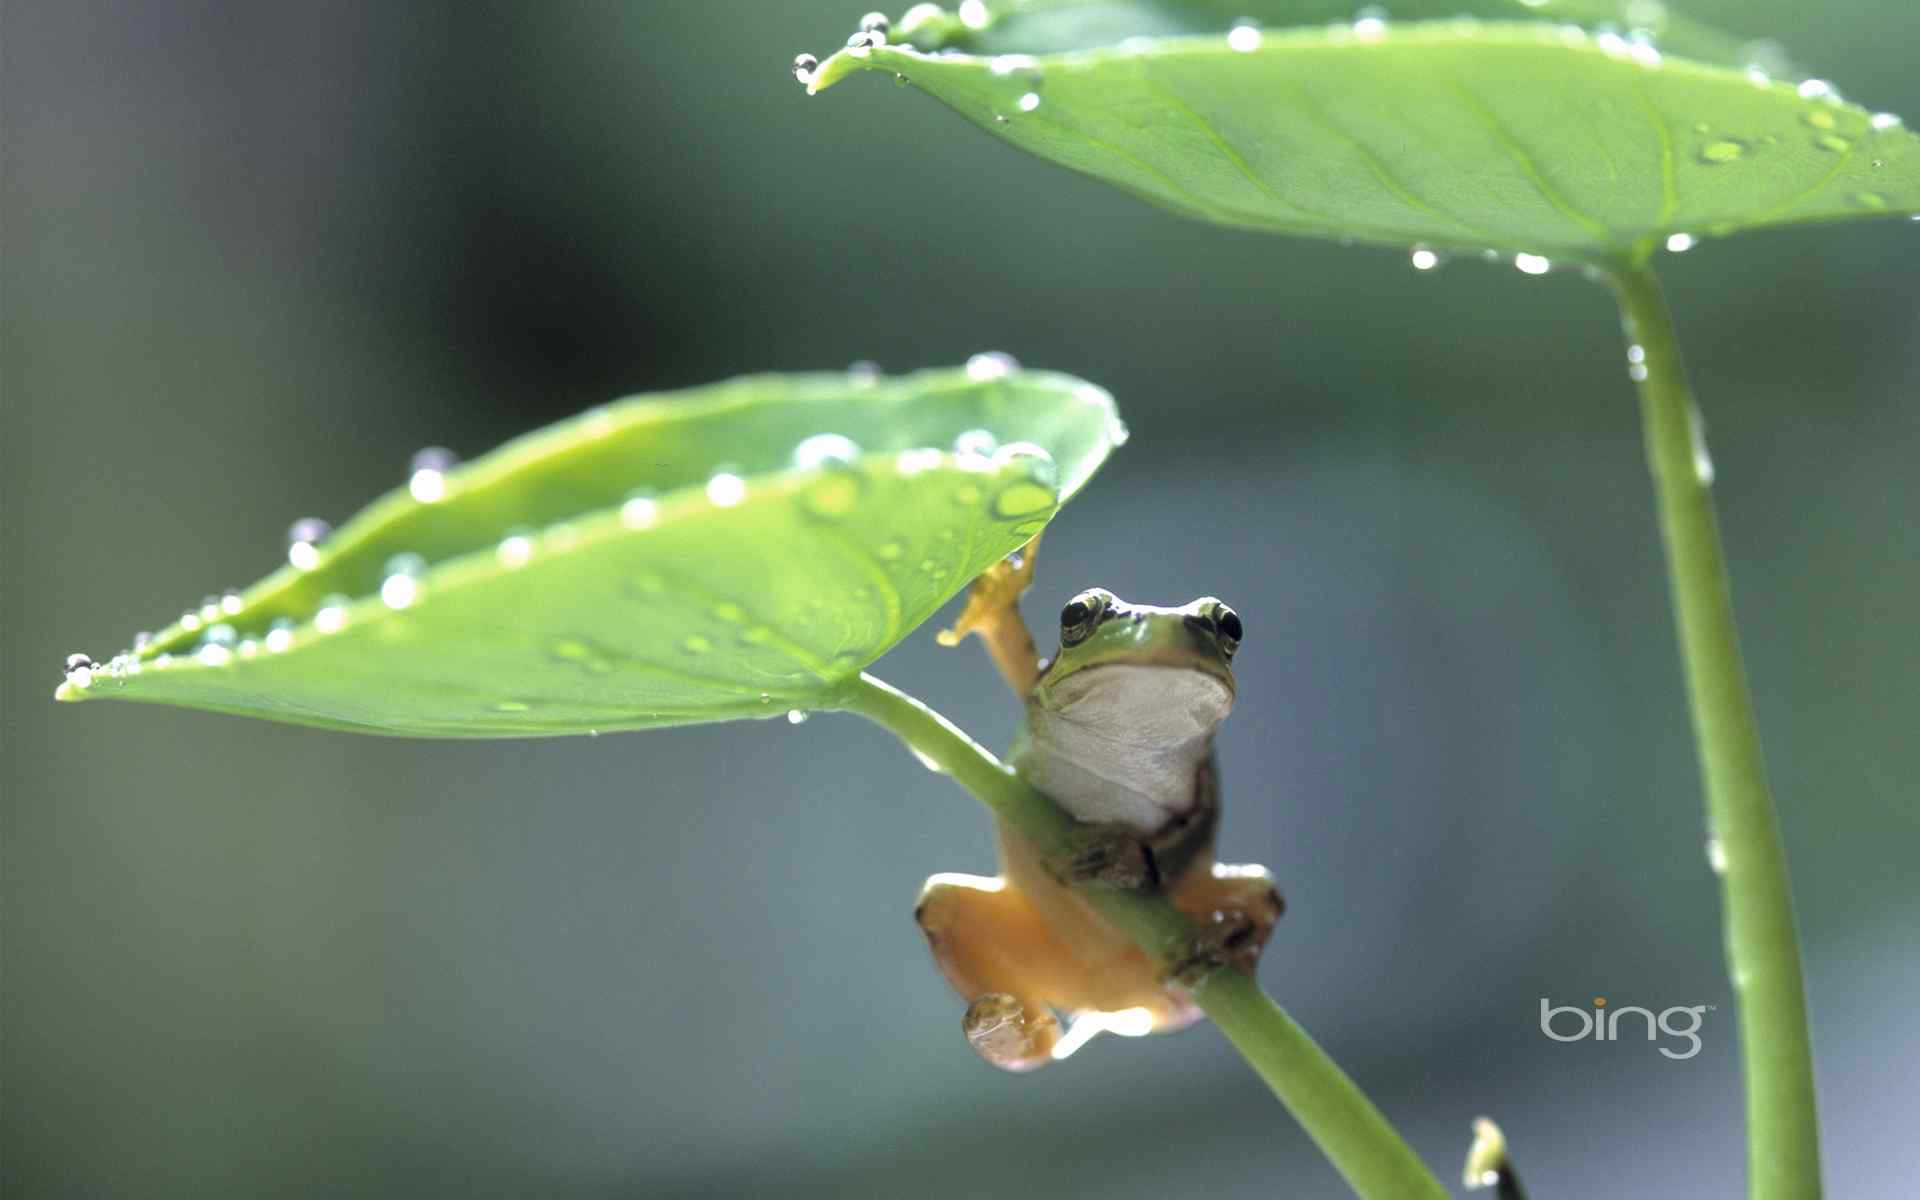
1603	1024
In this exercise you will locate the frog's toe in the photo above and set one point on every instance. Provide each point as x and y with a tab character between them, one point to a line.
1236	909
1009	1033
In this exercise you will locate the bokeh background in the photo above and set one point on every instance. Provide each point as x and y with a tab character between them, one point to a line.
256	254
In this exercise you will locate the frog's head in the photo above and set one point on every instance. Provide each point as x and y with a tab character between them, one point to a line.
1140	670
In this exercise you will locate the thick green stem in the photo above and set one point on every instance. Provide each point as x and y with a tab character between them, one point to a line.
1362	1146
1763	953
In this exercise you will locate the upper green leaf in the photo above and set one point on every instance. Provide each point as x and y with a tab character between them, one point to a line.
1517	135
733	551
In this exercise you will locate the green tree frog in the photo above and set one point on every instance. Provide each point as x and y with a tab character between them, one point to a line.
1118	731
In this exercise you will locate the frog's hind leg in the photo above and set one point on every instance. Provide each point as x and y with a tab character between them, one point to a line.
994	949
993	612
1235	909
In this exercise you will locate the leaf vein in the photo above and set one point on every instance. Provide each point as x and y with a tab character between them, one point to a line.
1518	153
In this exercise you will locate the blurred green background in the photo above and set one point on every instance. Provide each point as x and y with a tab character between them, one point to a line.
256	254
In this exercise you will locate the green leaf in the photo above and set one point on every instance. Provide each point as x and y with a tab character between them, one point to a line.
1516	135
785	532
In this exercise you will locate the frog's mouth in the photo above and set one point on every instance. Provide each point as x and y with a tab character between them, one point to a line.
1144	700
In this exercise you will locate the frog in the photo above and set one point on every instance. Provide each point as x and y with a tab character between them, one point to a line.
1118	730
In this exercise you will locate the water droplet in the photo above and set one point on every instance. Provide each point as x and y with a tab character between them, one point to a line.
1423	259
919	15
231	603
1013	64
974	15
1758	77
1702	461
875	21
888	551
400	582
1870	200
512	706
1370	25
1532	264
726	489
759	635
1725	150
571	650
973	450
729	612
823	449
1033	459
1636	353
222	634
1029	102
399	591
428	469
1833	142
514	550
1680	243
1818	89
639	510
1820	118
142	640
695	644
1716	856
77	661
214	655
1702	127
863	372
837	492
1637	372
1244	36
1883	121
797	716
966	494
303	542
991	365
189	622
804	65
279	635
927	761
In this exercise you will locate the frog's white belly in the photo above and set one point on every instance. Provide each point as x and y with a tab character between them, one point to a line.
1123	743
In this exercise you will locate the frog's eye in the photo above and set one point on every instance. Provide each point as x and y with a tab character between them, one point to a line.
1226	624
1082	615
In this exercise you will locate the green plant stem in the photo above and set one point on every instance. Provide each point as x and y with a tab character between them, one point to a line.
1376	1162
1763	953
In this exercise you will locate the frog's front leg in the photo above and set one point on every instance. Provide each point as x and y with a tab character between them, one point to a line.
993	612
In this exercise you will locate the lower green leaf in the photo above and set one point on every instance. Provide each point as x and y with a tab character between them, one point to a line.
734	551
